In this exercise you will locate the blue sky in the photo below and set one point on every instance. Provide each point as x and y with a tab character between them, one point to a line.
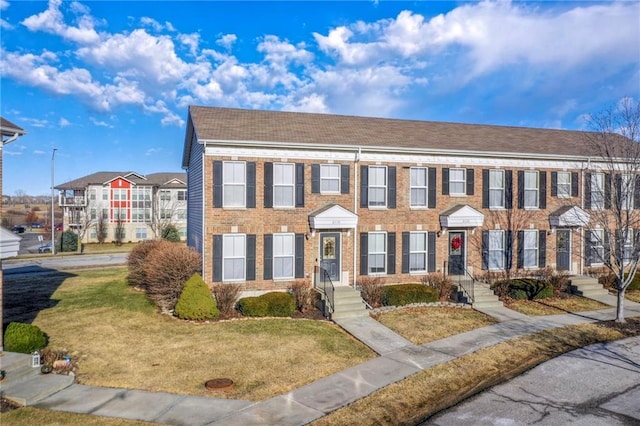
108	83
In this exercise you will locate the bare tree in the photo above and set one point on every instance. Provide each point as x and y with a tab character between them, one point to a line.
612	235
164	211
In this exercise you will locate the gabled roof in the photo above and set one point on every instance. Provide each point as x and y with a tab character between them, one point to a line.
255	127
7	128
171	180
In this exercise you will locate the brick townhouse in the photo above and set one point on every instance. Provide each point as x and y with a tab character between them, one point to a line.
274	194
135	205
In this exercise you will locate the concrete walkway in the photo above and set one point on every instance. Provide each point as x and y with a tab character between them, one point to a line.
399	359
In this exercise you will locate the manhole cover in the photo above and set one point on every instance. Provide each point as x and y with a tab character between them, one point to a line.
219	384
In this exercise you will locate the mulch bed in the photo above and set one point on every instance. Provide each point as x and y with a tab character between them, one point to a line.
6	405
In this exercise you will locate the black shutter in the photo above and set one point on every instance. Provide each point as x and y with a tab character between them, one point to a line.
251	186
445	181
391	184
574	184
607	191
588	249
406	241
520	249
315	178
299	185
267	265
485	188
508	189
391	253
542	203
364	253
470	182
268	185
520	189
299	264
554	184
217	258
618	191
587	190
344	179
636	192
364	187
485	250
431	252
542	249
508	250
217	184
607	249
431	190
251	258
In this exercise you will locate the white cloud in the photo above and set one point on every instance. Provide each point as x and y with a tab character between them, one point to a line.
227	41
39	152
99	123
4	4
52	21
64	122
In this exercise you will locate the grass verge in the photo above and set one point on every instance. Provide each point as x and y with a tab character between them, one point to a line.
555	306
422	395
28	416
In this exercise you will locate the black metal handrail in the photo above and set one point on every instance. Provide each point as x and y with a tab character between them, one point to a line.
322	282
465	282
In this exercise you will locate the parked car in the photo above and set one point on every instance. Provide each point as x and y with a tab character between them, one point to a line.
19	229
58	227
36	225
45	248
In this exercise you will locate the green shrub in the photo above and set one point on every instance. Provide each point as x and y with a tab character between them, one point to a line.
529	289
274	304
635	284
404	294
24	338
69	241
170	233
195	301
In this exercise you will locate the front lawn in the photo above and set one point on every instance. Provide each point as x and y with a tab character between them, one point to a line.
121	341
555	305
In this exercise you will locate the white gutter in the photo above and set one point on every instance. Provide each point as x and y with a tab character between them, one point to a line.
12	138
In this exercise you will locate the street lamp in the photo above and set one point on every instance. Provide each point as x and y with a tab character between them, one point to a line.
53	216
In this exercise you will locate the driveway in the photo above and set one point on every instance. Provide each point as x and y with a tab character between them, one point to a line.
596	385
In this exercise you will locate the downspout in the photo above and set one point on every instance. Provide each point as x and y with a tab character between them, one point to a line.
11	139
582	206
355	210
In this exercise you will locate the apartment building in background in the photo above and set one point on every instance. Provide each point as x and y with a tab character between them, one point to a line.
126	206
273	195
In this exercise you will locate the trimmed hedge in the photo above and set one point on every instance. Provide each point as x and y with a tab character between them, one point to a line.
24	338
273	304
404	294
195	301
529	289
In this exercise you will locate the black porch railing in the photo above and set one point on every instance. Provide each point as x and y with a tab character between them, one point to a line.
465	282
322	283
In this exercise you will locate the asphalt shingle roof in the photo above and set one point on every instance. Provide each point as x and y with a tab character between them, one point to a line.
154	179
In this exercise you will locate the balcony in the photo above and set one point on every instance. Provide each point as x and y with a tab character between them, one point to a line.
74	201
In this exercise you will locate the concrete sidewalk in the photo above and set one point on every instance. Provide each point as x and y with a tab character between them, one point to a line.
399	359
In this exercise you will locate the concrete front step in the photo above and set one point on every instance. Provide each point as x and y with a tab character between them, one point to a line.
485	298
587	287
348	304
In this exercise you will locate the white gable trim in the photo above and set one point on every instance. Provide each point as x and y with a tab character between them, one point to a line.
334	217
9	244
572	217
463	216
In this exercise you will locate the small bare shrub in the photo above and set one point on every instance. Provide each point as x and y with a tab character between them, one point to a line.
372	290
441	283
227	296
559	280
167	269
303	292
137	259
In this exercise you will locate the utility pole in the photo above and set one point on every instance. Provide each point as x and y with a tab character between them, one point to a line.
53	216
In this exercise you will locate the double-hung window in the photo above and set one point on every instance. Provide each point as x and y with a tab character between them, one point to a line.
377	186
496	189
496	250
563	184
596	244
182	195
141	233
627	186
233	257
418	252
284	180
283	256
627	246
419	187
457	182
234	184
530	248
330	178
377	252
597	191
531	189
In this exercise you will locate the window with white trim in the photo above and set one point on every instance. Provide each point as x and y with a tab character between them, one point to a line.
563	185
233	257
531	190
496	189
165	195
377	253
330	178
597	191
496	250
418	186
457	181
627	184
105	194
530	249
93	214
418	252
141	233
283	256
284	180
377	186
234	181
182	195
627	246
596	242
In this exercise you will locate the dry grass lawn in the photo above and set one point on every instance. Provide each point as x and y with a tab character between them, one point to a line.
120	341
633	295
29	416
425	324
555	306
